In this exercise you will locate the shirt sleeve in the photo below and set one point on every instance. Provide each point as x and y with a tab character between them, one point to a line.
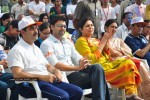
75	56
113	14
15	59
43	7
84	49
13	9
117	10
53	12
2	41
127	9
3	55
30	6
132	44
48	51
68	9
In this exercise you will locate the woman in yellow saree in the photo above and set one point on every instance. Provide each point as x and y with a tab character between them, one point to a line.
120	72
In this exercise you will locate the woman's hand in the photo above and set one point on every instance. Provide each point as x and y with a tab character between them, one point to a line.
103	41
105	37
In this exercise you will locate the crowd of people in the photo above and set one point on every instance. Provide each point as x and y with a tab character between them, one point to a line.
72	45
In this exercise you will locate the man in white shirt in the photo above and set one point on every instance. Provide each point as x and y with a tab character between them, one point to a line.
36	8
19	8
123	30
70	13
116	6
137	9
61	53
27	61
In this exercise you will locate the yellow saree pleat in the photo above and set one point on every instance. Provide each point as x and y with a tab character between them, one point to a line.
123	74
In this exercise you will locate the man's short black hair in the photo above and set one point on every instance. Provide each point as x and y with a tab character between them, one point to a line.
14	24
124	14
57	18
43	26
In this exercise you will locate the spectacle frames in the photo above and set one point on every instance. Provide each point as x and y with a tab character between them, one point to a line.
61	26
45	33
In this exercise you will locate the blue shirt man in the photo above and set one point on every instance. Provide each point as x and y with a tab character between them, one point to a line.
137	42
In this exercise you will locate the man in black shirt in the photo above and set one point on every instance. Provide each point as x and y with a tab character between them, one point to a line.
10	36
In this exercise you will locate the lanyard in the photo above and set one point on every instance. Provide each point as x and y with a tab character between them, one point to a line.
106	15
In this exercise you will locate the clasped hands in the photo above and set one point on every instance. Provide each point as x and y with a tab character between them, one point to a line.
53	77
84	63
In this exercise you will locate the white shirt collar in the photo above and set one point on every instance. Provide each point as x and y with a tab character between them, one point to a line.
26	44
124	26
19	5
55	39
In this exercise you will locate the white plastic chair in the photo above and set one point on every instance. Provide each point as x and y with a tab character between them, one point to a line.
116	96
115	93
85	92
37	90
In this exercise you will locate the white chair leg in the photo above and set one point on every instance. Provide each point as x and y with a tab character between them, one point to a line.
115	94
8	94
123	94
83	97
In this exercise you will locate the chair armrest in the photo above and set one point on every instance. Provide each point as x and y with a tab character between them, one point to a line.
87	91
36	87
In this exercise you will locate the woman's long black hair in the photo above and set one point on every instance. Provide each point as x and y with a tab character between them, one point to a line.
81	23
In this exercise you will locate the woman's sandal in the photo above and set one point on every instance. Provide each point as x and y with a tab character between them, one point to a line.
133	97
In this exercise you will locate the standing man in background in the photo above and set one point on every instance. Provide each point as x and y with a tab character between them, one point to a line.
70	13
87	8
36	8
19	8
